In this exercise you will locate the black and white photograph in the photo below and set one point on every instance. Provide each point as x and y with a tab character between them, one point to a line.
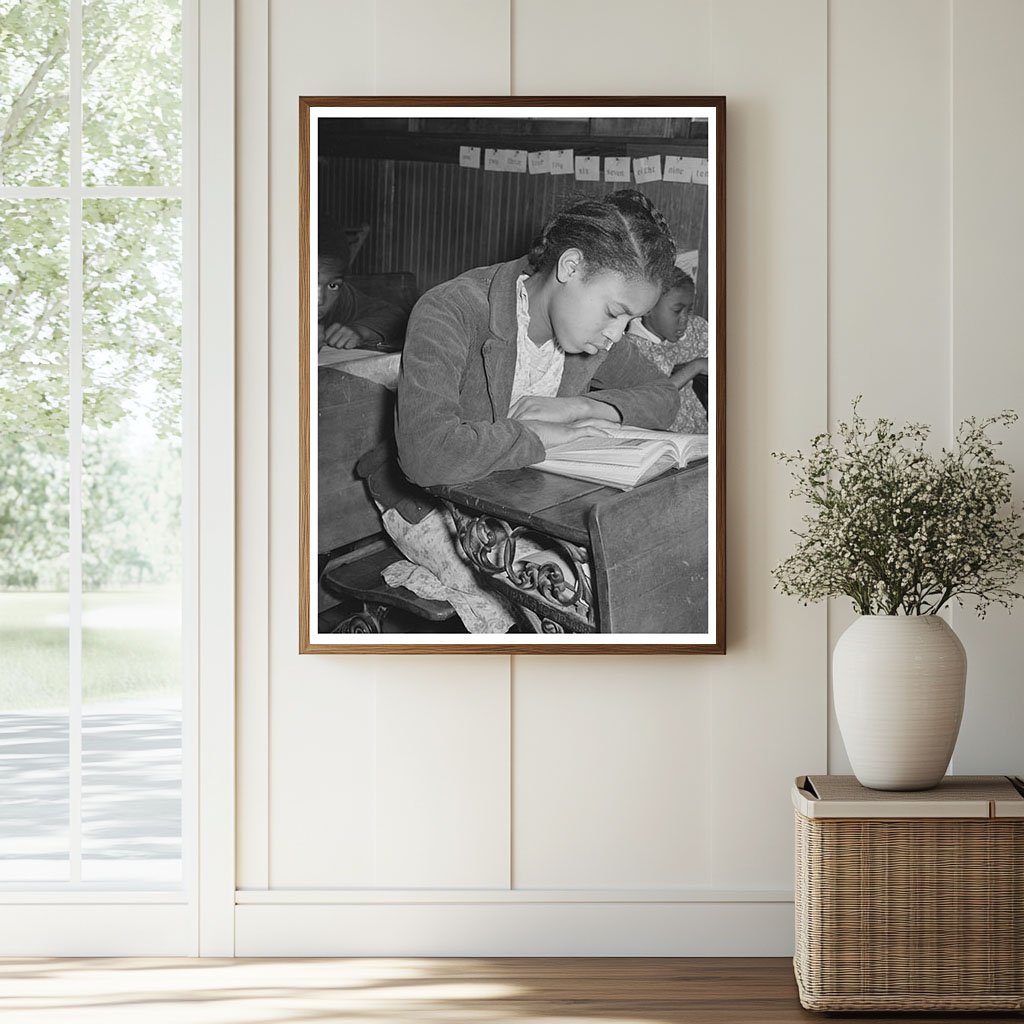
511	375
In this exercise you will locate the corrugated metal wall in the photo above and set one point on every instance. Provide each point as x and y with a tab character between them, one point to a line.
438	219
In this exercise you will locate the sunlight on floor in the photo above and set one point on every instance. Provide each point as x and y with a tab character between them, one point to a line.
222	991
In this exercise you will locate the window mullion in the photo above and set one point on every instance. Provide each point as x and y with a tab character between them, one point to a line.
75	303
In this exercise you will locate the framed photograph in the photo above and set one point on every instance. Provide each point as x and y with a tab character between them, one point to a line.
512	374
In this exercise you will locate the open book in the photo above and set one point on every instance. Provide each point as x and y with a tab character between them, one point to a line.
626	457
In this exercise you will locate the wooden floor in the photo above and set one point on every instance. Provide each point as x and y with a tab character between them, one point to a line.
412	991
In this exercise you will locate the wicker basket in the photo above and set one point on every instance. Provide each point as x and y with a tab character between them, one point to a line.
910	901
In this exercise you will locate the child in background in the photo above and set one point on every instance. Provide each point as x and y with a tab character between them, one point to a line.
676	340
346	317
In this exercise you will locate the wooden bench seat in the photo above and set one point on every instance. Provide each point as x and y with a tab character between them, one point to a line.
356	576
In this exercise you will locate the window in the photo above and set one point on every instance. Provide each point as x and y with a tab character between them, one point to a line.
96	463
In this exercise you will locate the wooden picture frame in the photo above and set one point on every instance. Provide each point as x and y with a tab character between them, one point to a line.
399	195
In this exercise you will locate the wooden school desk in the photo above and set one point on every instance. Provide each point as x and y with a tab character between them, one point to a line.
646	550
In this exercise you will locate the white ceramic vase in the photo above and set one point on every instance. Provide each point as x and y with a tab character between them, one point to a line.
898	684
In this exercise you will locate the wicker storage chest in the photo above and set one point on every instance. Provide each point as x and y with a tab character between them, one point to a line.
910	901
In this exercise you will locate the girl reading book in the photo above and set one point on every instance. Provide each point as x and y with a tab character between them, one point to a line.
505	362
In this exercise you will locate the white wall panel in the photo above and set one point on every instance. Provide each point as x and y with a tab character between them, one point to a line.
769	692
889	251
442	48
988	343
889	209
320	709
612	780
442	774
323	773
578	48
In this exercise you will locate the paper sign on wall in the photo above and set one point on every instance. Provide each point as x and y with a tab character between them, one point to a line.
561	161
493	160
689	262
700	172
616	168
588	168
677	169
647	168
469	156
515	160
540	163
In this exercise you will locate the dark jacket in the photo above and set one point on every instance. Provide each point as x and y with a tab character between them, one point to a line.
458	365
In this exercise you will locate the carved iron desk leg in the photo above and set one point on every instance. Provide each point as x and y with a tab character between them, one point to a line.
537	623
489	544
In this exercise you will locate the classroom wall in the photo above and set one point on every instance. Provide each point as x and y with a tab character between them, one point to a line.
617	805
484	218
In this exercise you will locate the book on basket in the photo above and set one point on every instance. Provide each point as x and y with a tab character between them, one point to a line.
625	457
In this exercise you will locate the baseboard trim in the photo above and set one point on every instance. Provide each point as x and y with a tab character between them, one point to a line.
491	927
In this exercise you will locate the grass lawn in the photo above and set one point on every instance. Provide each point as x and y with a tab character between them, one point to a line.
130	647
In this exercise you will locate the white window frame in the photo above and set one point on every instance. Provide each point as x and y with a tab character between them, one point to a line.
75	918
215	191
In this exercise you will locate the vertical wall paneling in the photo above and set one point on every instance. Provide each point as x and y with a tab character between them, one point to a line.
442	775
889	209
612	775
769	692
888	223
987	369
323	762
873	229
321	708
580	48
442	48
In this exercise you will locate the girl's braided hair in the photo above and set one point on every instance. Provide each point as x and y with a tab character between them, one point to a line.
622	231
